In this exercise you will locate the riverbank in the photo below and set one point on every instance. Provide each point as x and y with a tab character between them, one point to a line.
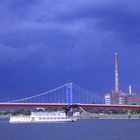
109	116
95	116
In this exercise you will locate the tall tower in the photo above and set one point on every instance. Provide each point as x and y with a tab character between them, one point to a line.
130	90
116	89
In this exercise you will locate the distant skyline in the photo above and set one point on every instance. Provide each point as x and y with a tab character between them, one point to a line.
45	43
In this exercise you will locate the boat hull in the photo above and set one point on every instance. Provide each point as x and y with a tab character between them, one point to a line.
42	118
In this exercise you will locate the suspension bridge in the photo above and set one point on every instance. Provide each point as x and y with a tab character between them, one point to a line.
66	95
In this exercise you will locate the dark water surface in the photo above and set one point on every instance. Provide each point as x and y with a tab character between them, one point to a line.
80	130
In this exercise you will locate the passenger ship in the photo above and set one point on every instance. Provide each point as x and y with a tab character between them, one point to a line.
42	117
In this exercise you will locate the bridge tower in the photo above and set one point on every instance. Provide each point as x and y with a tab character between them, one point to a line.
69	93
68	97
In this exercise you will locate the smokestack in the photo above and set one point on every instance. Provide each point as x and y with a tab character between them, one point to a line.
130	90
116	74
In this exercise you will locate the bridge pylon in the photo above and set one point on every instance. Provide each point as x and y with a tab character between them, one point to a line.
69	98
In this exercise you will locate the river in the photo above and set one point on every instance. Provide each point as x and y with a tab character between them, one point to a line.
97	129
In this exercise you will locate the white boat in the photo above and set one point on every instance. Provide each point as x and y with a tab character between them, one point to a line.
42	117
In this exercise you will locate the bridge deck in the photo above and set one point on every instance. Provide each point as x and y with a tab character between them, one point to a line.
51	105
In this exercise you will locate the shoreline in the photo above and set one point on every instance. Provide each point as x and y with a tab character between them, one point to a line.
107	116
94	116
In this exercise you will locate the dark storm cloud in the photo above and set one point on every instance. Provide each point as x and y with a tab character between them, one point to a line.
121	17
69	38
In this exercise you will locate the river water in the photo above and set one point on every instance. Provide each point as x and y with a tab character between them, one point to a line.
96	129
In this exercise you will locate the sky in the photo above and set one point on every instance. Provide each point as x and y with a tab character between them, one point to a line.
47	43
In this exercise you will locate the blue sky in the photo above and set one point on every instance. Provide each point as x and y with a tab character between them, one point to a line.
45	43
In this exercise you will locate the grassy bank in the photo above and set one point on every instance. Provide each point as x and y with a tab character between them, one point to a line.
109	116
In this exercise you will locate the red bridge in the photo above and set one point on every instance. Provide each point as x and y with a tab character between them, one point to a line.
57	105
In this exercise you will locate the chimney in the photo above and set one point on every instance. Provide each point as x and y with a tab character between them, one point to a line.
130	90
116	74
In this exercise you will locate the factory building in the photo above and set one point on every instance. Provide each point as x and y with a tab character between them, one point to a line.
119	97
132	98
122	99
111	98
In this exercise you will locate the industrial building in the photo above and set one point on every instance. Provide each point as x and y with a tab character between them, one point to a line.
118	97
111	98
